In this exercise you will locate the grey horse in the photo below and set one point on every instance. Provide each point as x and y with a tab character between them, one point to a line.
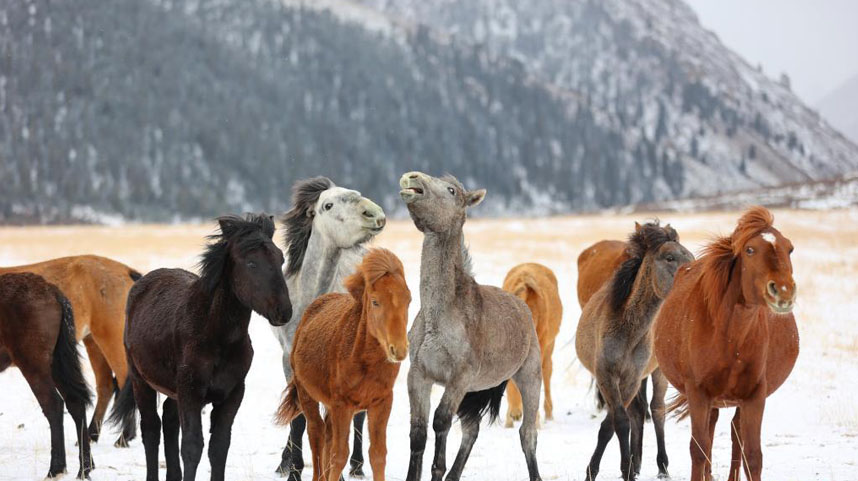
467	337
326	231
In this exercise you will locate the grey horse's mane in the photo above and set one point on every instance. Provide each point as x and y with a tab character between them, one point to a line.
298	222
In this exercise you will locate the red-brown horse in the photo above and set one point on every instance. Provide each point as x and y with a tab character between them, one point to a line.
725	336
346	356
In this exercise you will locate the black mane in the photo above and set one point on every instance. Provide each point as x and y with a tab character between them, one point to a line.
247	233
649	238
298	222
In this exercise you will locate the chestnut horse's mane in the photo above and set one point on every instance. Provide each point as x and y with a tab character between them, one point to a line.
648	238
298	222
718	257
376	263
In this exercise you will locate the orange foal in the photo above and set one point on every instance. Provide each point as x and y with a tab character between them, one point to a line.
346	356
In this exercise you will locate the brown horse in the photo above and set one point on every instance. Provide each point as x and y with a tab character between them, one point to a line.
346	356
97	289
726	337
614	342
536	285
37	336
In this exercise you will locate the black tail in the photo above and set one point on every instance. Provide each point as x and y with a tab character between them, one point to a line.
124	412
65	365
134	275
476	404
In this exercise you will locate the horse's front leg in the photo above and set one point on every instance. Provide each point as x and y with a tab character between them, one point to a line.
656	407
223	414
450	401
190	408
419	389
378	416
356	461
751	424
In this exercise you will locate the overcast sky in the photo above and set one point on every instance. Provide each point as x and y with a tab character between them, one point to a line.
814	41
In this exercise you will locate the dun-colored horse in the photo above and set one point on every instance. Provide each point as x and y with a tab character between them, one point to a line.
726	337
186	337
536	285
346	356
614	341
37	335
97	288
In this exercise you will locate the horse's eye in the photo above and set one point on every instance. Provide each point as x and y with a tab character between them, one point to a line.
451	190
670	258
750	251
251	264
791	249
329	205
375	303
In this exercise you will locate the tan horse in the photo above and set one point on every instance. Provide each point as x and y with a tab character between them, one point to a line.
597	264
346	355
97	288
726	336
536	285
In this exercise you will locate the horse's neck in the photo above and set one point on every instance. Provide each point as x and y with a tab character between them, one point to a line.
440	264
734	320
643	301
324	268
366	348
226	319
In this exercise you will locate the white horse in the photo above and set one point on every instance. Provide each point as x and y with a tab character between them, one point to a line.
326	231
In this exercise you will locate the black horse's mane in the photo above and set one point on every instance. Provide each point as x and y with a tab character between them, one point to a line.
246	233
298	222
649	238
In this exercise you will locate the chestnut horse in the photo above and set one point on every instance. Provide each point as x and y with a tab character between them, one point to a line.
614	342
186	337
97	288
346	356
536	285
726	337
37	336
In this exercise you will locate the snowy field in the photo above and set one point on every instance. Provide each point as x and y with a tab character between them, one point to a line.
810	429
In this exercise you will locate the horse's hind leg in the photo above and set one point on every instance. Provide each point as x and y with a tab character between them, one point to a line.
470	431
77	409
104	385
547	369
150	425
606	432
513	400
356	461
419	389
51	403
222	417
170	425
659	388
637	414
292	459
110	343
529	380
315	431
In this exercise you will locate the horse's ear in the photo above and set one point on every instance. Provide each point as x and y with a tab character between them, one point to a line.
227	225
638	227
474	197
355	285
311	211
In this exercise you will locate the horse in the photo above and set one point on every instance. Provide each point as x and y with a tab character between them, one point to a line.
97	288
726	337
596	266
614	342
536	285
37	335
186	337
346	356
467	337
325	231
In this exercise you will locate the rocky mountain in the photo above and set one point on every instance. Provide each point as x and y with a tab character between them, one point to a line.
840	107
166	109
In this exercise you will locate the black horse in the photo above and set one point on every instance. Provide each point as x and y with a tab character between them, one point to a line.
37	335
186	337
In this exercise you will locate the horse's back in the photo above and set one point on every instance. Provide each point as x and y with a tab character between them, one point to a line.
153	300
30	315
506	323
588	331
595	266
545	304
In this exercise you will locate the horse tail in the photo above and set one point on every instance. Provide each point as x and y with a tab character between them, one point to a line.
124	412
476	404
134	275
289	408
678	406
65	364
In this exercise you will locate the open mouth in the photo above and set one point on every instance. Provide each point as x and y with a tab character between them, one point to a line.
778	309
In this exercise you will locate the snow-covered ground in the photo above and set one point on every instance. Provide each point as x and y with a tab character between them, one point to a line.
810	430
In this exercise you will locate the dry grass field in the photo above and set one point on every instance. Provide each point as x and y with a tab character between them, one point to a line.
810	430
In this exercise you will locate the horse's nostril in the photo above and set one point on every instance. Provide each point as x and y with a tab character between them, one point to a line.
381	222
412	176
773	289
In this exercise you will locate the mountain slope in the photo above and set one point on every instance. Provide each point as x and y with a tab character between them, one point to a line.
159	110
840	107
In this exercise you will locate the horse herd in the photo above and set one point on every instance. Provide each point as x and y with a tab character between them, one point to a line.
718	328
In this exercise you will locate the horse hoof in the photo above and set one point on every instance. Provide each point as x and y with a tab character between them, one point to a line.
356	472
121	442
55	472
663	475
93	434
